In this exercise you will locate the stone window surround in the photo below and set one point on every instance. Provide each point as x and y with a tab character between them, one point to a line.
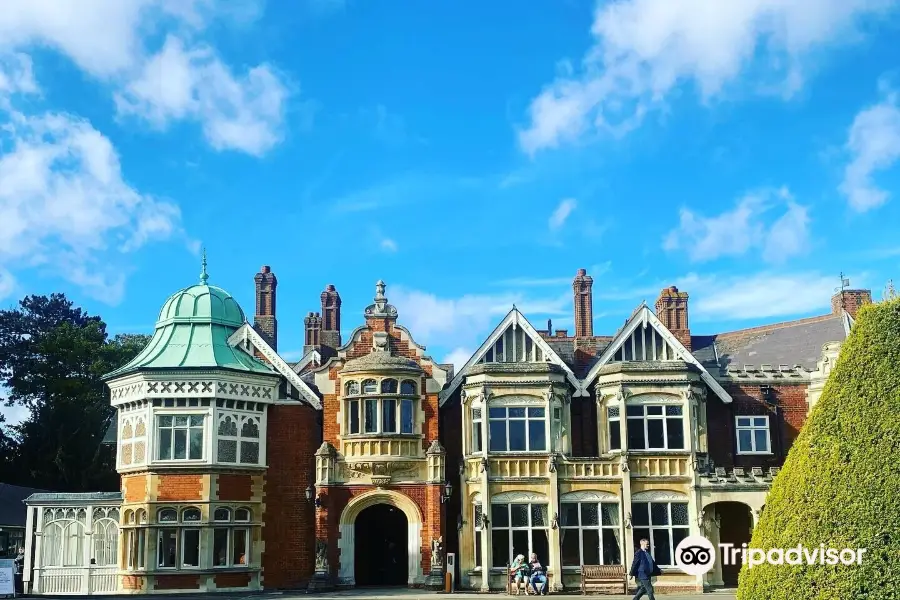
753	428
554	428
399	395
180	524
580	499
232	520
657	497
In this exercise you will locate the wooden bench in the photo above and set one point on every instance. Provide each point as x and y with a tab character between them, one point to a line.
612	576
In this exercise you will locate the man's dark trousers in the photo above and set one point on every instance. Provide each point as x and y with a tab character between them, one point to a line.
644	587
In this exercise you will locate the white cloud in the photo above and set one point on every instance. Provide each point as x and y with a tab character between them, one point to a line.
65	203
562	212
388	245
758	296
7	284
458	357
237	113
874	143
465	320
643	49
185	79
16	76
736	232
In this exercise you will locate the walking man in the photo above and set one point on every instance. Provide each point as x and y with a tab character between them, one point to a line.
642	569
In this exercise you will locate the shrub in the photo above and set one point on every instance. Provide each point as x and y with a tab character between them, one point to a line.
840	484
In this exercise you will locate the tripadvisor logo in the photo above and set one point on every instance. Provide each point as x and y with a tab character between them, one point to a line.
696	555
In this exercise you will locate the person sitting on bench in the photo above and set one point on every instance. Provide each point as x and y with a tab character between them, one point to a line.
537	575
518	571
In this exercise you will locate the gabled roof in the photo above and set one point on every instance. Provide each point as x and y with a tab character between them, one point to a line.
313	356
246	333
644	317
513	317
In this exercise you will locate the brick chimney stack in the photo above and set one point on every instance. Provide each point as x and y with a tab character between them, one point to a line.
312	329
584	304
264	322
850	300
330	336
672	311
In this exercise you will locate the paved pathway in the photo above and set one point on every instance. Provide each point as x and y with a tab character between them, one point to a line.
414	594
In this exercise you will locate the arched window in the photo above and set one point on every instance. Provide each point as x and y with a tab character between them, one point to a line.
370	386
190	515
63	543
242	514
222	514
141	516
167	515
408	387
388	386
129	517
351	388
106	542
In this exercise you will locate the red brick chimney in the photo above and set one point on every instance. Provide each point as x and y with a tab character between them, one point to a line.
850	300
330	336
584	304
264	322
672	311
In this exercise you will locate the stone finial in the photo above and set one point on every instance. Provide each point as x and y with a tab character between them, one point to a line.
326	449
204	276
380	308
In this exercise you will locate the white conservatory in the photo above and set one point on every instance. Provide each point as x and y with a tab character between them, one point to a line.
74	548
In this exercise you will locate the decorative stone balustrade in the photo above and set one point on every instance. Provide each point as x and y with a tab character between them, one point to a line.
589	468
738	477
368	447
659	466
518	467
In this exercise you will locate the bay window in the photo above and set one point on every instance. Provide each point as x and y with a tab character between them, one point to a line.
517	429
380	415
519	528
655	427
238	439
179	437
753	435
478	522
665	524
231	537
590	533
178	543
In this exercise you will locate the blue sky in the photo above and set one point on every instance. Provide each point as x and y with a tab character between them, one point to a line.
472	155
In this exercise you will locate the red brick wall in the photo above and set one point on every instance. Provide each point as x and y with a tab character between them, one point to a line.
787	413
180	487
451	438
232	580
134	488
176	582
236	488
584	426
132	582
292	439
335	499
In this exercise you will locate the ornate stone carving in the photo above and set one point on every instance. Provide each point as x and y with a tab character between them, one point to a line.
628	520
551	466
381	472
321	556
437	552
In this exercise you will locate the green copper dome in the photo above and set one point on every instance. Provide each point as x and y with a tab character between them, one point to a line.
192	332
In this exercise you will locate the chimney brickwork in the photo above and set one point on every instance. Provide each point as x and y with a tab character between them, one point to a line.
264	321
850	300
672	311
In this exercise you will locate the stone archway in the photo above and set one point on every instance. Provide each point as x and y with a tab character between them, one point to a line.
727	522
348	522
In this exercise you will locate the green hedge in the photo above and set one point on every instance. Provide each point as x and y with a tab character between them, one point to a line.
840	484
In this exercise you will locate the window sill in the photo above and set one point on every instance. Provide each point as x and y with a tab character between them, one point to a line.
362	436
740	453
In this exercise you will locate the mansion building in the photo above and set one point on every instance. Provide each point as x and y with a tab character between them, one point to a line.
367	461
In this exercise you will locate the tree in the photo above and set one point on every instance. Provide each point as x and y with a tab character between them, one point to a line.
840	484
52	356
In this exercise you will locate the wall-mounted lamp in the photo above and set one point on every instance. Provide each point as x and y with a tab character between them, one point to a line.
447	491
309	493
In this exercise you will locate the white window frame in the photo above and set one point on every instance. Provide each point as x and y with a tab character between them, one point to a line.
240	439
645	418
157	434
136	540
669	527
603	529
614	421
530	528
105	542
477	525
379	414
526	419
477	420
752	428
